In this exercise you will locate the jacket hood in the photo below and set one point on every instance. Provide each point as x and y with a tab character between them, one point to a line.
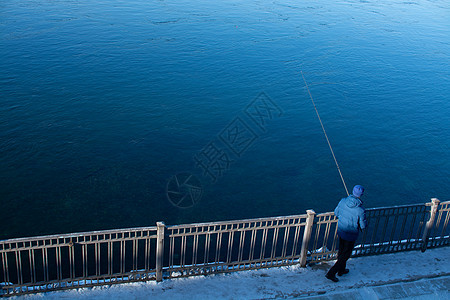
358	191
351	201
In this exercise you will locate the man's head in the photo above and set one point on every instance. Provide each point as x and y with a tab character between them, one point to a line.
358	191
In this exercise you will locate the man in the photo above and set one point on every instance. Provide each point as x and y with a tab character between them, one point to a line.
351	218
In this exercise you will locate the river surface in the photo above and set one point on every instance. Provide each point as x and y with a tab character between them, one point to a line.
122	113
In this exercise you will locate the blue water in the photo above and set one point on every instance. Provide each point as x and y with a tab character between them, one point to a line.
103	102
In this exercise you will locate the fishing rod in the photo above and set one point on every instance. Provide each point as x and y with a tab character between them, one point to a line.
325	133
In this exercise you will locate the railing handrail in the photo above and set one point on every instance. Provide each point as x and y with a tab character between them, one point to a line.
76	234
396	206
218	223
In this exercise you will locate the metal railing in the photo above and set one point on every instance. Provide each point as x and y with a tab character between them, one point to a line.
65	261
38	264
235	245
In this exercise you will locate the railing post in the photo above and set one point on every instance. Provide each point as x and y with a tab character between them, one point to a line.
159	249
307	236
426	232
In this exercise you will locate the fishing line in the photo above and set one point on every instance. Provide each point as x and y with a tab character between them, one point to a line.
325	133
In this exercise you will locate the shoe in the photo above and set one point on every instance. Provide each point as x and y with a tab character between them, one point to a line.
343	272
332	277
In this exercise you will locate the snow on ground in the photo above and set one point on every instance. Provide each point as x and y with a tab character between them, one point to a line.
284	282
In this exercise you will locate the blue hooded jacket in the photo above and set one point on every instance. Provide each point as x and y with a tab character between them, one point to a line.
352	217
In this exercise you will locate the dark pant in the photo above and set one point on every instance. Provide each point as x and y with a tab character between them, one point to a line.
344	253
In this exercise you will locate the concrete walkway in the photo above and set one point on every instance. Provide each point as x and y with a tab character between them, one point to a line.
411	275
425	288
